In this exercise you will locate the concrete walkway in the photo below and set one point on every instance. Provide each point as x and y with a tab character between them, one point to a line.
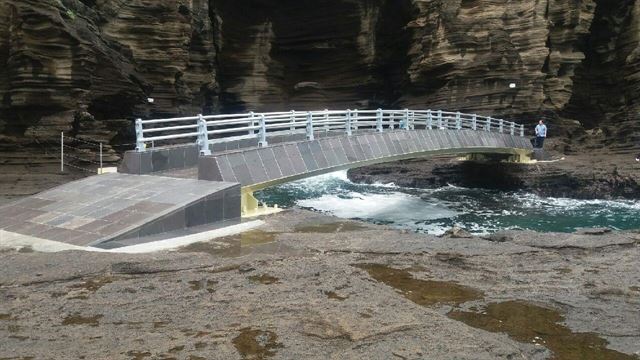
9	240
112	207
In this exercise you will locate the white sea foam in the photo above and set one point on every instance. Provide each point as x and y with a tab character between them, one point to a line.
335	178
393	207
435	210
563	204
322	181
386	185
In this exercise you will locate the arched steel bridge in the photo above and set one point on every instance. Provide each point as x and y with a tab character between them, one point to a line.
207	167
259	150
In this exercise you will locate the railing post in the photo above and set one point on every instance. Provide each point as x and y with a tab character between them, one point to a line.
292	121
487	126
348	125
458	121
139	136
429	120
379	120
405	119
392	120
309	126
263	132
513	129
326	120
355	119
252	131
440	120
521	130
413	120
474	122
61	151
501	125
203	136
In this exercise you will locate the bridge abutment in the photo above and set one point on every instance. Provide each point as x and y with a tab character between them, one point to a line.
519	156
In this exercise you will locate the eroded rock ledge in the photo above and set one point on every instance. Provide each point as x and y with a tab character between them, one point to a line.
592	176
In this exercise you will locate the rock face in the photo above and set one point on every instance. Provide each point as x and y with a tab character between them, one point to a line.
564	57
312	54
589	176
88	67
62	58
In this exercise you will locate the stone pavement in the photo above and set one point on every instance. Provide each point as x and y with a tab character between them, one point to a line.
111	207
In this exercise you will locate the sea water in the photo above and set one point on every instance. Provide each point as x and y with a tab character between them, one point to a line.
434	211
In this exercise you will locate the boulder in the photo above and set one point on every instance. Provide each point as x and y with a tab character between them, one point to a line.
457	232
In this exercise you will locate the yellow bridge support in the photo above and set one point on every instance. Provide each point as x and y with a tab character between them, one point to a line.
520	156
251	207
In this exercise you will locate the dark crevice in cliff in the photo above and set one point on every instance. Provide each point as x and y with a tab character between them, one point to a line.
343	54
216	32
234	34
547	60
599	82
393	43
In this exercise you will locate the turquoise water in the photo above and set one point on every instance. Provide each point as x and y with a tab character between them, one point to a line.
434	211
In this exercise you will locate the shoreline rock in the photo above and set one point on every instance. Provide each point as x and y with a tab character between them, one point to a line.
320	300
589	176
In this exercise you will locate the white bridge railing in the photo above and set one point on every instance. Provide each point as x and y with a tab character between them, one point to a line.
211	129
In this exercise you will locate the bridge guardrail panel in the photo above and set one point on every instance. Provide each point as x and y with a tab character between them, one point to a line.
261	126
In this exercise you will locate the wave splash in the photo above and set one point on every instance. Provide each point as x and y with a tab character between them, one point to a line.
434	211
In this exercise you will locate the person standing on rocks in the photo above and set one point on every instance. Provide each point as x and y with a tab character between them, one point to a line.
541	134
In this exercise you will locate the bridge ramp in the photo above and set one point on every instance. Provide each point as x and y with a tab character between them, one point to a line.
113	207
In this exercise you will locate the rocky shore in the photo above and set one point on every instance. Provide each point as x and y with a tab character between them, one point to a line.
587	175
305	285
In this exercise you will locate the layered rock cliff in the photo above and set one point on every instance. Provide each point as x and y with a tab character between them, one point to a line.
61	59
88	67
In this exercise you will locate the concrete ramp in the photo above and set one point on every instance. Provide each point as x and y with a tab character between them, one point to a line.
113	207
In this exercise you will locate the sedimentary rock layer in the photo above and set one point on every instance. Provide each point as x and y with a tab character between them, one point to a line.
90	66
83	67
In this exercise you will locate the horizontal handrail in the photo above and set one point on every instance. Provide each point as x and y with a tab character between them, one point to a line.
209	129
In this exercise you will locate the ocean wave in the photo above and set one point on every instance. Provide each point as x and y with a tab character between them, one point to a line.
434	211
535	201
396	207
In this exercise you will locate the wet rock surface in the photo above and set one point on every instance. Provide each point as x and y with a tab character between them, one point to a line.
357	291
592	175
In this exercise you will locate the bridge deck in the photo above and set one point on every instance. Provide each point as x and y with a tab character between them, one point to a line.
112	207
257	168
